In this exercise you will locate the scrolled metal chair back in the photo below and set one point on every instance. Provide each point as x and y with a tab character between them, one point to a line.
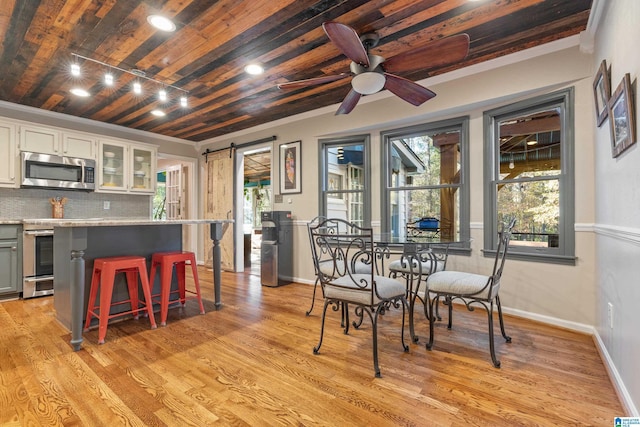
347	245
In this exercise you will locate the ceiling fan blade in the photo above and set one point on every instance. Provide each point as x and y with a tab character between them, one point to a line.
411	92
348	41
349	102
311	82
444	51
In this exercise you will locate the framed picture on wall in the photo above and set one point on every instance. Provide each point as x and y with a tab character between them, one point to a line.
622	117
602	93
290	168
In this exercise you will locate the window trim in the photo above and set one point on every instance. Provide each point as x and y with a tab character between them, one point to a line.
457	123
565	254
323	170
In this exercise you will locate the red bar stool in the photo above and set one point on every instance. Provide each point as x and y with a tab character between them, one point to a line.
166	261
103	277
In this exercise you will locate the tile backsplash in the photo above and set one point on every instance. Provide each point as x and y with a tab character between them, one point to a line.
19	203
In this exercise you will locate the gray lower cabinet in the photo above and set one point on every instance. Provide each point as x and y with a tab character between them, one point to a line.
10	260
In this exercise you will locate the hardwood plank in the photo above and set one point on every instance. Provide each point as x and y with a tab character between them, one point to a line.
251	363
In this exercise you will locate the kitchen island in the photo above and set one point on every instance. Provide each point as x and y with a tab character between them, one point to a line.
77	242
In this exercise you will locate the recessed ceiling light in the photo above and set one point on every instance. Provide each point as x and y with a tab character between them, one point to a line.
532	142
161	23
158	113
254	69
79	92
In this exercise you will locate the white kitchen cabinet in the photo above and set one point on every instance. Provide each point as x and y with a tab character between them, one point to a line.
40	139
8	159
78	145
126	167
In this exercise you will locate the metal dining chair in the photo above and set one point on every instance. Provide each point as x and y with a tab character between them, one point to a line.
472	289
352	280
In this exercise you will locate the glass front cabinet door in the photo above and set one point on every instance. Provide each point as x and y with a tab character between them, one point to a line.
142	169
125	167
113	166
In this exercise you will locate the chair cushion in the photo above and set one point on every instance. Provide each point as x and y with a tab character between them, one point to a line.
344	288
459	283
326	268
402	266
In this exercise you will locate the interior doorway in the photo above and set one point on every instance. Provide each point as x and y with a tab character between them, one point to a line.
175	196
254	192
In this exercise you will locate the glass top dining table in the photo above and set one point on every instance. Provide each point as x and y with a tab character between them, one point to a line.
409	244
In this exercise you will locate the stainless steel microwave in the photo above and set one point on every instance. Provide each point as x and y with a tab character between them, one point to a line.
64	173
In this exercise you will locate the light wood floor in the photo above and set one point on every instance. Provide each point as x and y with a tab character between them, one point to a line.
252	364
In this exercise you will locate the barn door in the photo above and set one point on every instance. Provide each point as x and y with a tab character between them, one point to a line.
219	204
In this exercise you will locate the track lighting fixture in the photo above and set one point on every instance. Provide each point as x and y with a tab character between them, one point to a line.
109	80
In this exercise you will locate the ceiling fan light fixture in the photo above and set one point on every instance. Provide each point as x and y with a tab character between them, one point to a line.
368	83
161	23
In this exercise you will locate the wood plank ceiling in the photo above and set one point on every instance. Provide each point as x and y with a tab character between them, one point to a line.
214	40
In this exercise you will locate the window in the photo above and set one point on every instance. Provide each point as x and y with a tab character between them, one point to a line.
344	179
529	176
425	177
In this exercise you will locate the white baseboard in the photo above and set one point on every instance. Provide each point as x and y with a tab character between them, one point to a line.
304	281
554	321
616	379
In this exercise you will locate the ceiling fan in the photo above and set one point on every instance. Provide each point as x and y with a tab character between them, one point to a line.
373	73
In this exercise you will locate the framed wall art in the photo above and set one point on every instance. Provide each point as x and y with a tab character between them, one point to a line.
602	93
290	168
622	117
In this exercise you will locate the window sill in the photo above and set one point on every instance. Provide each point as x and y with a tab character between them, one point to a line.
544	258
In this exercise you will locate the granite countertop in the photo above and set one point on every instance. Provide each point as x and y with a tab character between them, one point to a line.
98	222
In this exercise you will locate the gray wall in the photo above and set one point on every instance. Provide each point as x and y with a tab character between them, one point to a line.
617	202
34	203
